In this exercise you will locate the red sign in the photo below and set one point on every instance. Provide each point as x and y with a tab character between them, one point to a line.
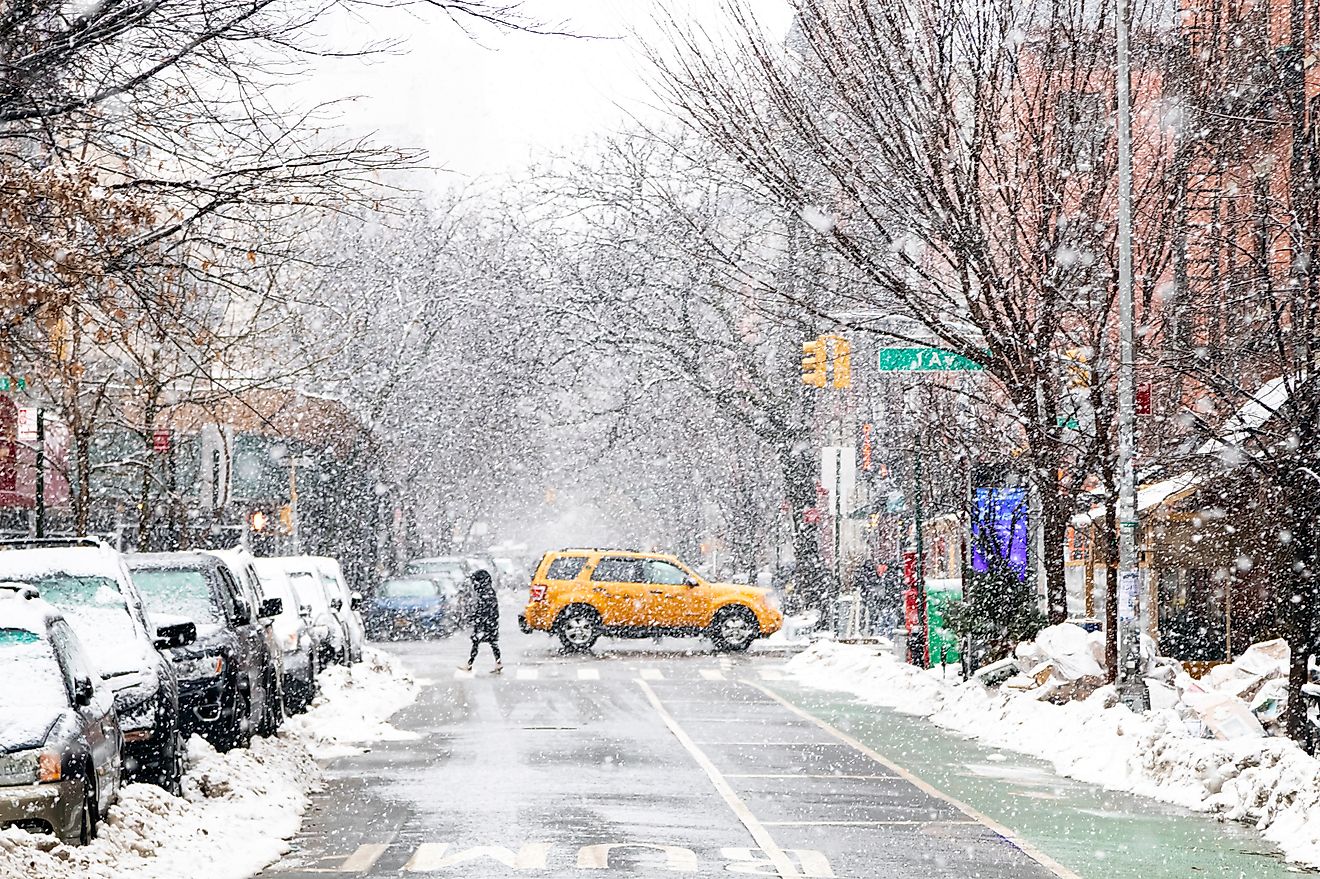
910	568
1145	406
866	446
161	439
910	618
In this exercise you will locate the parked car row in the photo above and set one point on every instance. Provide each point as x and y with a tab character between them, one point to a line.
109	662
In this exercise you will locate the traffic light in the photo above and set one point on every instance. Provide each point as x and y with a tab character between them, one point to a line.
258	521
842	363
814	361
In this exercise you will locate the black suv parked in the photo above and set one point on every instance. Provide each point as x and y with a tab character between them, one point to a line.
223	676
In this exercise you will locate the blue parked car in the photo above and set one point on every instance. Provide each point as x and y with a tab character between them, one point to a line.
414	606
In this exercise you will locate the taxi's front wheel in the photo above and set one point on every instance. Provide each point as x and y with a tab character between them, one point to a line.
578	628
734	629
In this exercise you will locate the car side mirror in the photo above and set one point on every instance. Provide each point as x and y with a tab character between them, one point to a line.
242	613
336	603
83	691
355	600
175	635
272	607
690	582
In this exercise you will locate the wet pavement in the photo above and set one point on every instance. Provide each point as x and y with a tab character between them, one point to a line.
648	758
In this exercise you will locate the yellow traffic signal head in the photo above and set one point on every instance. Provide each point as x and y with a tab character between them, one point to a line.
814	360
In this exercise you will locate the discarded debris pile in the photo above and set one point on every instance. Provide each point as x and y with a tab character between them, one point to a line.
1065	663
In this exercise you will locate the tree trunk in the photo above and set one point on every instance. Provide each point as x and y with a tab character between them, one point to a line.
1298	586
798	465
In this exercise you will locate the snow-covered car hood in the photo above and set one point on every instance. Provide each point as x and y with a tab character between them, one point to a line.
28	730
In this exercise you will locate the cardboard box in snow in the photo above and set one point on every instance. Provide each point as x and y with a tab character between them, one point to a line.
1268	659
1069	649
1225	716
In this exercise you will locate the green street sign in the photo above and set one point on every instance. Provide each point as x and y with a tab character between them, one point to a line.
925	360
12	383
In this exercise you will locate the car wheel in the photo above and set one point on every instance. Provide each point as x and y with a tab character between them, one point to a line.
270	712
172	759
734	629
578	628
239	733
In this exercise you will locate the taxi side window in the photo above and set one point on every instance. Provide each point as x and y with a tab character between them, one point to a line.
615	569
566	567
664	573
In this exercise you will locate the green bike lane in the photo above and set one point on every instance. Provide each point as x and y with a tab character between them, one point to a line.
1097	833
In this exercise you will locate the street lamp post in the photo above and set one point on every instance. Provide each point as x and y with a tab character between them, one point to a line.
1131	686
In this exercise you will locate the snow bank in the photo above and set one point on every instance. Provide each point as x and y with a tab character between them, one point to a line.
237	809
1267	782
354	705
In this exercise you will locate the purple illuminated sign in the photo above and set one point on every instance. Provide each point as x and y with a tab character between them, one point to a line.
999	527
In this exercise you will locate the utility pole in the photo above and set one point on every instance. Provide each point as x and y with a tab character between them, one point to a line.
1131	685
920	571
40	517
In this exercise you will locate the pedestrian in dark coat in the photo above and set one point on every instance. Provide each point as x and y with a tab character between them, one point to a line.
484	615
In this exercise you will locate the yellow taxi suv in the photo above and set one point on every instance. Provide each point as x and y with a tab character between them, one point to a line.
581	594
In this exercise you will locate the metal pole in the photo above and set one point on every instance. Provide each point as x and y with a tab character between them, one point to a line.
41	474
1131	685
921	559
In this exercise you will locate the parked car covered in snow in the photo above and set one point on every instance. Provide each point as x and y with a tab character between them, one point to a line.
328	629
241	565
225	673
88	581
60	741
295	633
344	602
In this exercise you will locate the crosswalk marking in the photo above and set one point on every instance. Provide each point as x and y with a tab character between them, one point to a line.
363	859
652	674
712	674
528	674
588	674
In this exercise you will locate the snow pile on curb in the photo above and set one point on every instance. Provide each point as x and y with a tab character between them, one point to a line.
354	705
1267	782
237	809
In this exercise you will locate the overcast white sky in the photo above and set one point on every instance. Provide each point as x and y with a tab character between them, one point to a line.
490	107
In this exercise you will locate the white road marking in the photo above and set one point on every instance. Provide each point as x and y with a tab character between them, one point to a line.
588	674
363	859
712	674
868	823
814	864
431	856
527	674
772	745
597	857
653	674
782	865
1025	847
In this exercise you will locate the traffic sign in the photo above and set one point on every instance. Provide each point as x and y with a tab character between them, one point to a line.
925	360
161	438
13	383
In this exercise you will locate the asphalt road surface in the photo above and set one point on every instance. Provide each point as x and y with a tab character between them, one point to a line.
649	758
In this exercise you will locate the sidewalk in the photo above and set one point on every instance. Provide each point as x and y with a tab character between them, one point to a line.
1092	822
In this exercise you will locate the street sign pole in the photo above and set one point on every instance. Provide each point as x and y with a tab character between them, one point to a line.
920	577
1130	673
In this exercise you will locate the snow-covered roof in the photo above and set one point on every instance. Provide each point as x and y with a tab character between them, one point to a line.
1264	404
1150	497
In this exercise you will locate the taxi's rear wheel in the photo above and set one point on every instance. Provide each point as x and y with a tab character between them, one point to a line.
734	629
578	628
